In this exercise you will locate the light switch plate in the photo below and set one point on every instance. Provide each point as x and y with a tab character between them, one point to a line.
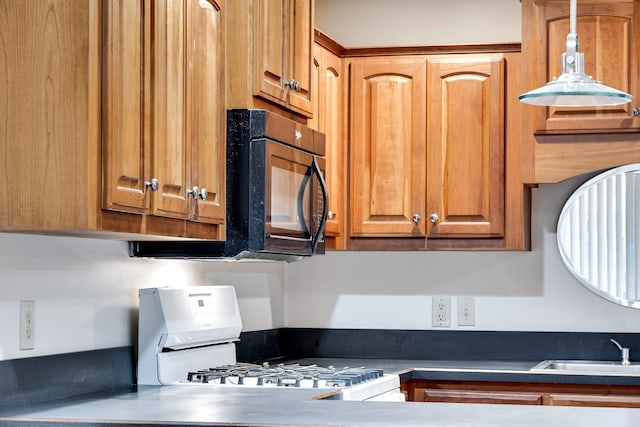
27	325
466	311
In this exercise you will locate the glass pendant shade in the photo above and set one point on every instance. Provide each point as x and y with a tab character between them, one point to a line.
574	88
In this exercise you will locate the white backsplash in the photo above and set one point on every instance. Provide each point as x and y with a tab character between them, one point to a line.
514	291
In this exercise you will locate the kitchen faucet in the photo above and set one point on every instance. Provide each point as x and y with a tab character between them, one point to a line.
623	350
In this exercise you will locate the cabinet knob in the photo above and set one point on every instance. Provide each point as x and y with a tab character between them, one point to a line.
153	184
193	192
636	112
434	218
416	218
292	84
203	193
331	215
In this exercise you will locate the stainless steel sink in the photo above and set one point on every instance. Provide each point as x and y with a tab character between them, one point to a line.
587	367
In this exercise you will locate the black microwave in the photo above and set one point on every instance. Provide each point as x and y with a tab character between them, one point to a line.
276	194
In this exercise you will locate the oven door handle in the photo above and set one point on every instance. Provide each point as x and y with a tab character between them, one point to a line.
319	234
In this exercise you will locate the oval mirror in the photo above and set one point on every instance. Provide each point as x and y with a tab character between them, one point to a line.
597	232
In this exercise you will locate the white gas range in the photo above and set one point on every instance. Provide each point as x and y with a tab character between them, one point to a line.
187	336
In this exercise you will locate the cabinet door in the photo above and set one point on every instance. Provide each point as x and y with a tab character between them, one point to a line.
205	108
608	32
125	93
269	44
300	54
171	152
328	119
465	169
388	142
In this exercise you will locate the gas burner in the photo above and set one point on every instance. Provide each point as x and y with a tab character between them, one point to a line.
284	375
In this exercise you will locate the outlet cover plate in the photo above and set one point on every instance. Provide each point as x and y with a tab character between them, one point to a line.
441	312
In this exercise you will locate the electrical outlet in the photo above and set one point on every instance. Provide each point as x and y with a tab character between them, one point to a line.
441	311
466	311
27	325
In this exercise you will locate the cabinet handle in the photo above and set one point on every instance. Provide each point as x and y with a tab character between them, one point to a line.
292	84
153	184
416	218
434	218
193	192
331	215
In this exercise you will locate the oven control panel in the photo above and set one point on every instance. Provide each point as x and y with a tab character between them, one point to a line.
190	316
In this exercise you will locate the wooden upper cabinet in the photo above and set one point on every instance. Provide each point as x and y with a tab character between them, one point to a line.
283	42
608	33
388	103
465	146
164	109
328	86
428	147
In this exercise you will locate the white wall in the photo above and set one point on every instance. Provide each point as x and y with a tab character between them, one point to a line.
85	291
357	23
514	291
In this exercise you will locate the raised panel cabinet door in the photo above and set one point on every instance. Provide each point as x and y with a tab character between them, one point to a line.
205	108
465	166
327	86
171	151
608	34
125	94
300	54
269	47
388	141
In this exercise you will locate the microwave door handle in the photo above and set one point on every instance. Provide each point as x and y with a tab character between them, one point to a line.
306	180
325	208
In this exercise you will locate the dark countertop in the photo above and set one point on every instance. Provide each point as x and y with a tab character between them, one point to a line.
209	405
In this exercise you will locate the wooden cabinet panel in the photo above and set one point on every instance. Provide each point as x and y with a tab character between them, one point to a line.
301	49
608	34
270	36
465	146
480	396
602	400
388	141
170	148
49	114
206	109
328	118
126	142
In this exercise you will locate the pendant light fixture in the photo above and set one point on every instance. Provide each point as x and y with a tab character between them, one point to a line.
574	88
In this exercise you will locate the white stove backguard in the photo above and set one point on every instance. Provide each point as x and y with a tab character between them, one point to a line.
198	324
